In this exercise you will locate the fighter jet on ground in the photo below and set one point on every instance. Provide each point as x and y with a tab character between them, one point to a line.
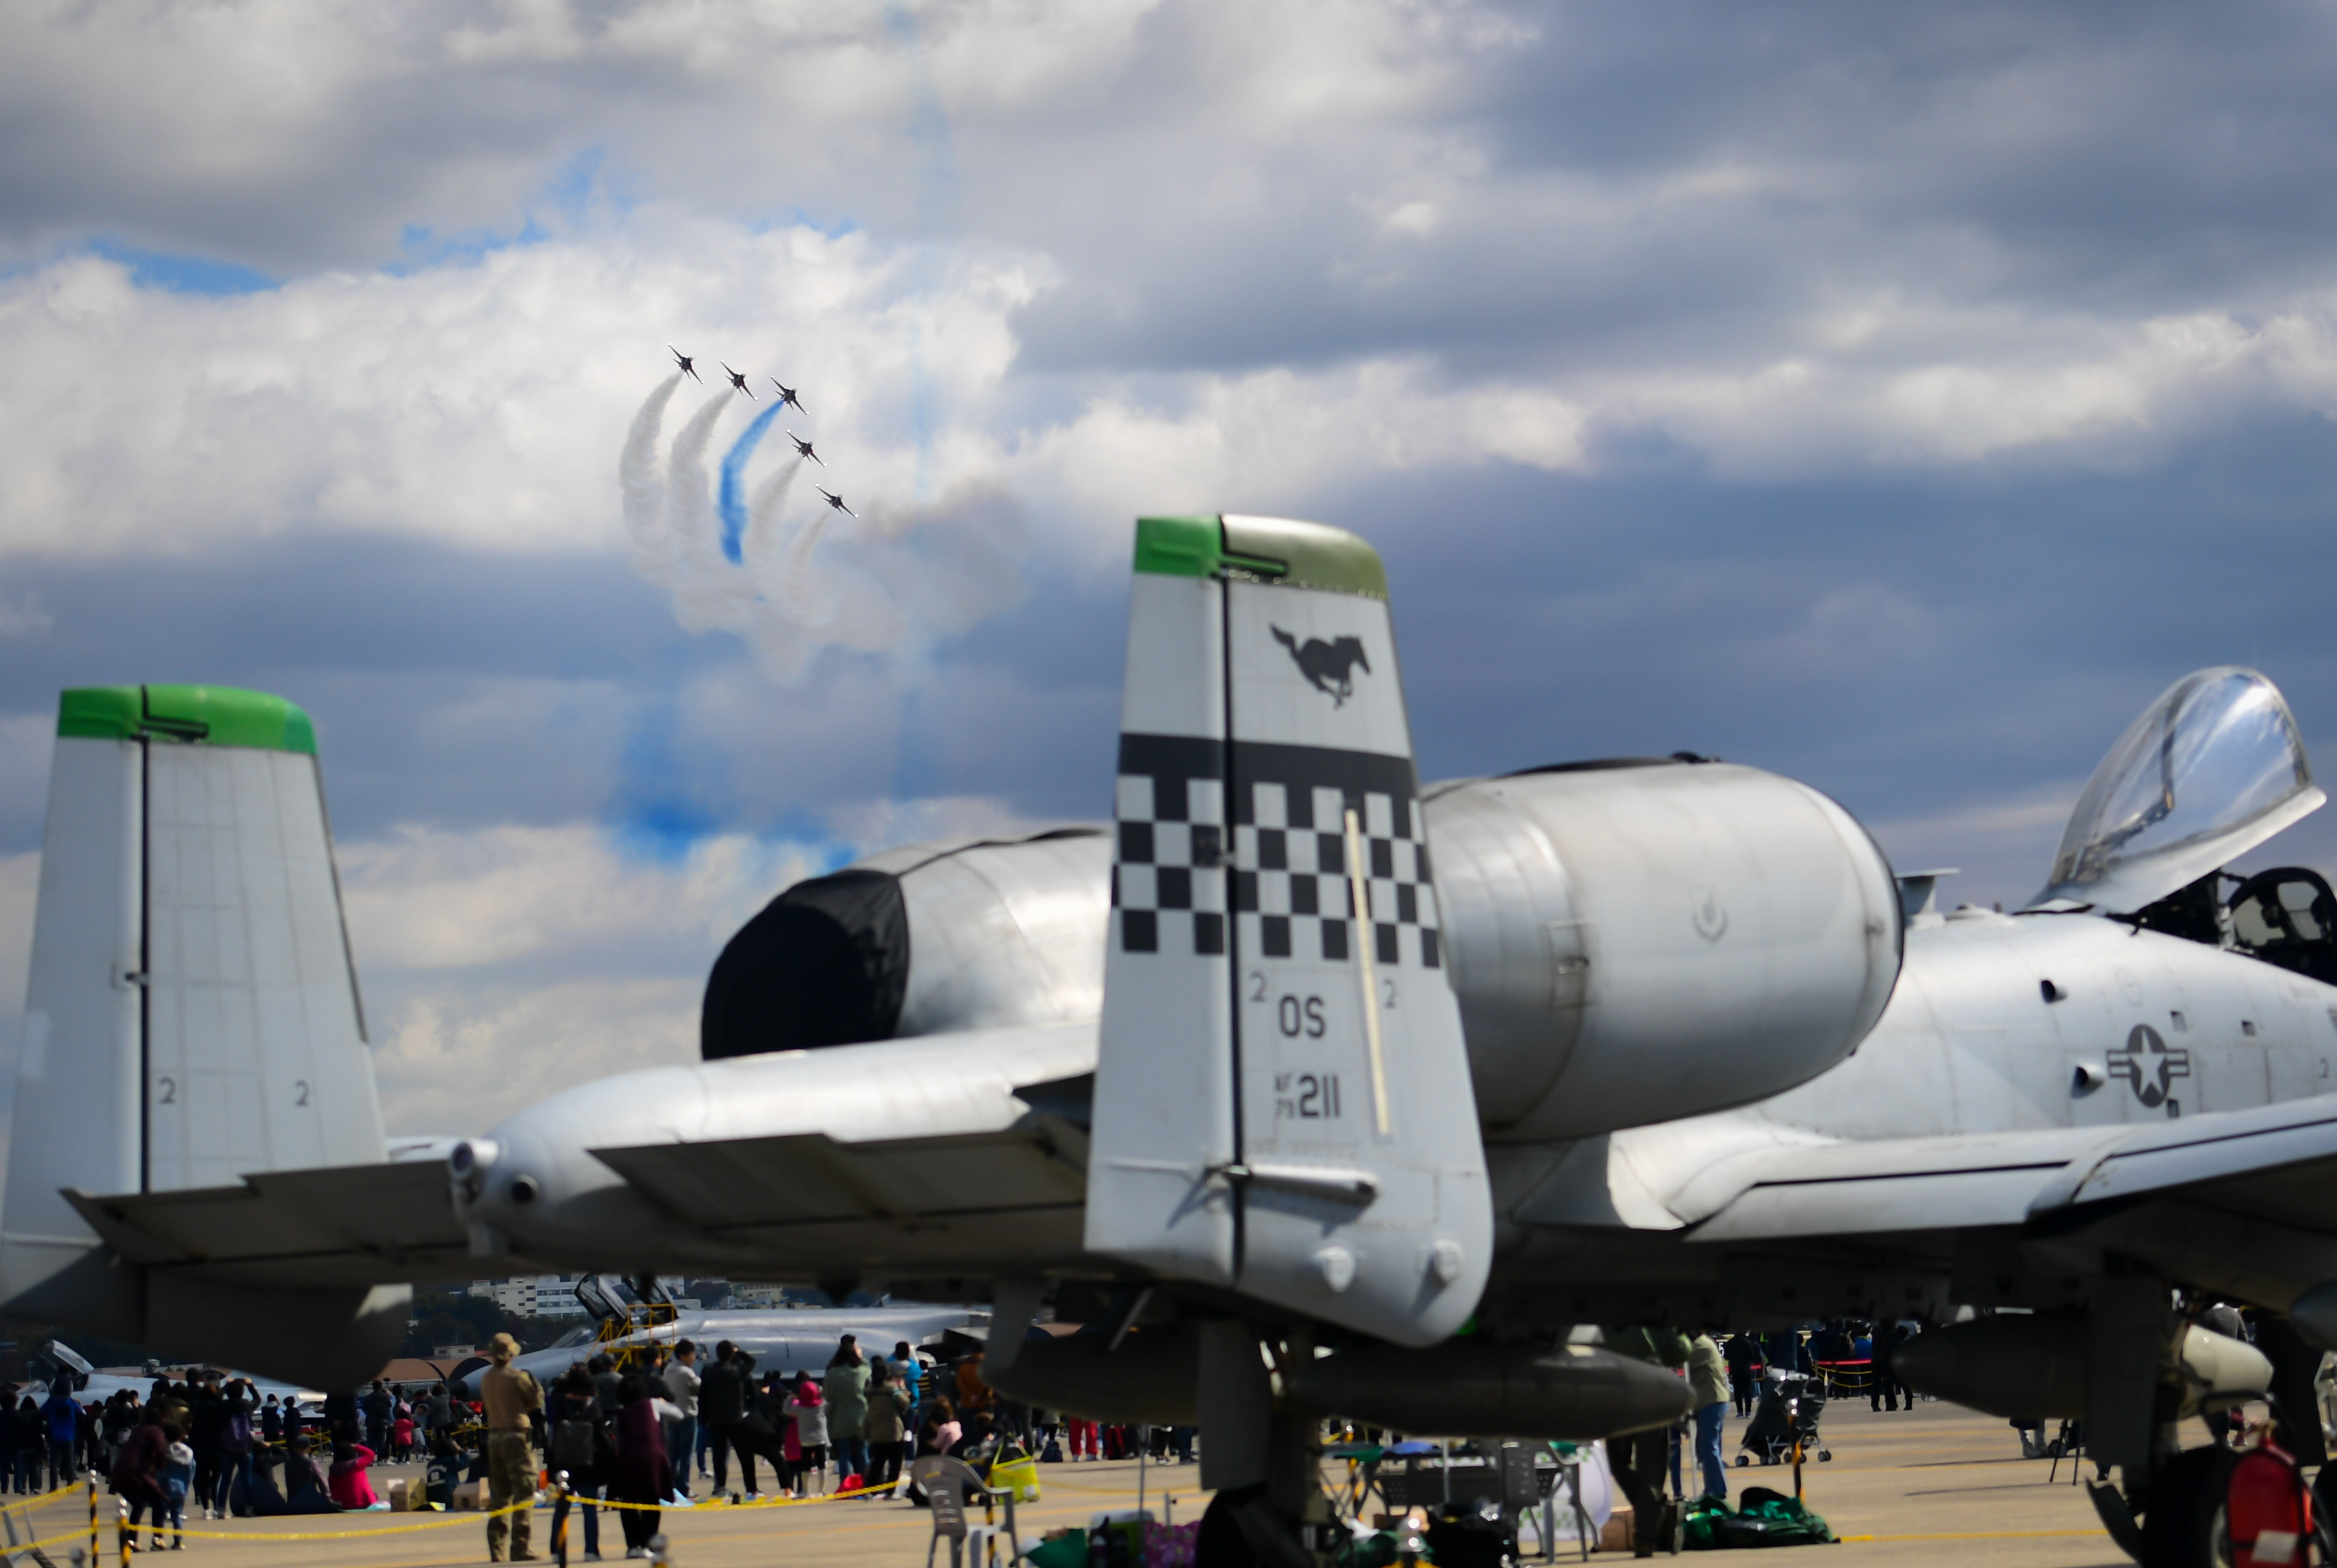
788	398
1650	1040
684	360
835	501
803	449
781	1339
739	382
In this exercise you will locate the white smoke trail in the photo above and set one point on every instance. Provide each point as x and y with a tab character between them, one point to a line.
761	546
643	485
801	591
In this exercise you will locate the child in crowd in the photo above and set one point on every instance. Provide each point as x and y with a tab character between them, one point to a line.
401	1434
177	1475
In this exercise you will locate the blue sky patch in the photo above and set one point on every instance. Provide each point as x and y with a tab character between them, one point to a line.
178	274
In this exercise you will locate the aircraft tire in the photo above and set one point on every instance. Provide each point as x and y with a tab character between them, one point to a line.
2183	1512
1220	1543
2324	1511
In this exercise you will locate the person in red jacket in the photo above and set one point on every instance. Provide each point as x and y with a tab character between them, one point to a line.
2269	1506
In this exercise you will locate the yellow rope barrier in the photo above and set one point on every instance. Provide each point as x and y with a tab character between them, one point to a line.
1976	1535
454	1517
449	1520
67	1490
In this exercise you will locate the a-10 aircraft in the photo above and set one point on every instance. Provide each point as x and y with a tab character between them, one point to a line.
1317	1092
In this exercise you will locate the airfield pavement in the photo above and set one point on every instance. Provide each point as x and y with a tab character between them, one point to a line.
1940	1487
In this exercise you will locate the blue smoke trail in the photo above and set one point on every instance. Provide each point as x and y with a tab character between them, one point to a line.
734	471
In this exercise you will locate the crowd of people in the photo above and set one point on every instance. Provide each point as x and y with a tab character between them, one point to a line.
1840	1359
642	1439
206	1443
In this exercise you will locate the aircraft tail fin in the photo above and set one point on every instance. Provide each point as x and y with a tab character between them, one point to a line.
192	1013
1283	1102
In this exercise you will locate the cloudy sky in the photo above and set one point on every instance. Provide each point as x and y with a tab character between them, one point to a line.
1896	399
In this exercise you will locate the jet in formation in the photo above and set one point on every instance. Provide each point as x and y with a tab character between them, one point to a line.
788	398
832	499
803	449
684	360
1280	1078
739	381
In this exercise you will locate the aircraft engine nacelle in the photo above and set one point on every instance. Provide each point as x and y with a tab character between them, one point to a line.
925	939
1638	942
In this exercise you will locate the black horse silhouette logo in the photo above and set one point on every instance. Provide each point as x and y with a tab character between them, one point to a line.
1328	666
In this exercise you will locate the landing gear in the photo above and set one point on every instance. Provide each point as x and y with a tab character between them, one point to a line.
2183	1523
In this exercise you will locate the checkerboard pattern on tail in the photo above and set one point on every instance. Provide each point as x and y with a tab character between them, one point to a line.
1286	880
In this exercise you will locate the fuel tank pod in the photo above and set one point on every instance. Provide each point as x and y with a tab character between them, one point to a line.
1641	941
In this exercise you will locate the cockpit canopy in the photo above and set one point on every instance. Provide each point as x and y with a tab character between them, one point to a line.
2211	769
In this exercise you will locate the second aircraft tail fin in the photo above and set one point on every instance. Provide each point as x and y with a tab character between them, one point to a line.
192	1014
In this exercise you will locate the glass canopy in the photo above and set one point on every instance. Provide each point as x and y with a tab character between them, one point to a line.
2211	769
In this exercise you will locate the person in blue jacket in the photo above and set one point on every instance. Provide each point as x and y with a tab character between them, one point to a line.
61	1419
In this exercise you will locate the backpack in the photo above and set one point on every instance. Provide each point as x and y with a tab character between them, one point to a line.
572	1448
235	1435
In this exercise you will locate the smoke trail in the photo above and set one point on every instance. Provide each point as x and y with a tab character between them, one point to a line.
689	506
757	563
644	486
707	595
804	596
760	545
734	469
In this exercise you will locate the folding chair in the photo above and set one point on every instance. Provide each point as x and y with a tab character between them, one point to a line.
945	1483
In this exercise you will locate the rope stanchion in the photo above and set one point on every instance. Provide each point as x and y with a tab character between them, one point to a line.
125	1544
92	1478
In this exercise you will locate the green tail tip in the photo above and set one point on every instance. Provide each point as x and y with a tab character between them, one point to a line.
1281	551
207	715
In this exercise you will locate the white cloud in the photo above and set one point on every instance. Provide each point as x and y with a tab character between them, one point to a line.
23	615
500	963
431	900
2001	846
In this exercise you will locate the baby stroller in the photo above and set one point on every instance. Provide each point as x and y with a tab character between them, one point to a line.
1790	1406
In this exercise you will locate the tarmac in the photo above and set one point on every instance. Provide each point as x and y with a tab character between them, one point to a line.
1939	1485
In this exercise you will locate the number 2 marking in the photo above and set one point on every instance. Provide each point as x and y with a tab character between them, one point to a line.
170	1088
300	1091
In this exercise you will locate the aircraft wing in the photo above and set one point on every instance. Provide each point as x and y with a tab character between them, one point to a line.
930	1201
2244	1201
2274	1163
338	1225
